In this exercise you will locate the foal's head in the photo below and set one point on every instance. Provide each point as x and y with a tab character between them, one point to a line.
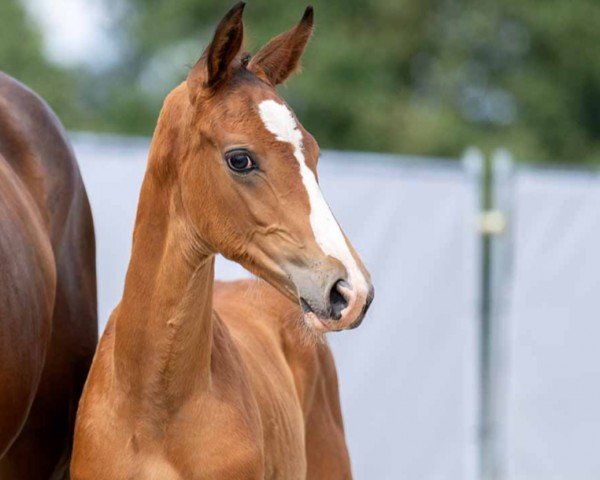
247	175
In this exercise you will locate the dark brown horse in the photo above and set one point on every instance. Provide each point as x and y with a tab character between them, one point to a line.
48	326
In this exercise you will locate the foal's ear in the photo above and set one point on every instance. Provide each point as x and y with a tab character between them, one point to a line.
216	61
279	58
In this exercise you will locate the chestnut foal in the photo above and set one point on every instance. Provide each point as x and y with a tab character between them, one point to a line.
200	381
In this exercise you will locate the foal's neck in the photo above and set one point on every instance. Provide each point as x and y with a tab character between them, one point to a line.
163	325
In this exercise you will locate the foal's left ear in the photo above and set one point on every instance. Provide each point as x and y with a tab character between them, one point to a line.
279	58
217	60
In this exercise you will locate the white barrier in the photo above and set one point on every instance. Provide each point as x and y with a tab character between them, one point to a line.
408	374
552	377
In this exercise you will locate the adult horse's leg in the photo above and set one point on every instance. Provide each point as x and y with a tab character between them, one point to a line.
33	140
47	434
27	286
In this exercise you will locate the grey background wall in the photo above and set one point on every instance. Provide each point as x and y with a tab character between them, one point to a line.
552	334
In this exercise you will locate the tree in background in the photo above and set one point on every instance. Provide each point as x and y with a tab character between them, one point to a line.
412	76
21	56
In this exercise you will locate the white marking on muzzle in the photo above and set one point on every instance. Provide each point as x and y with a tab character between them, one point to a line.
278	119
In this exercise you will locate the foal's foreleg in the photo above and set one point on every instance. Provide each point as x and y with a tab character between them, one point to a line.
326	451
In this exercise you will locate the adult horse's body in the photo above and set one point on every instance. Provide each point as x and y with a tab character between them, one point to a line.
195	382
48	327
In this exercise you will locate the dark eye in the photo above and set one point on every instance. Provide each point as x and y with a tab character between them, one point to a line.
240	162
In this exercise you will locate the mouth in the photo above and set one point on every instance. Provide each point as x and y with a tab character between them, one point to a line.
322	323
313	320
350	317
317	323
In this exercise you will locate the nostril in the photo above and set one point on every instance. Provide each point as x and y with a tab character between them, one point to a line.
337	301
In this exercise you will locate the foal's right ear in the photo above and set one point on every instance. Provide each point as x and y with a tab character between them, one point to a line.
215	64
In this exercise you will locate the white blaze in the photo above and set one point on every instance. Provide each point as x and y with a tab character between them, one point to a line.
278	119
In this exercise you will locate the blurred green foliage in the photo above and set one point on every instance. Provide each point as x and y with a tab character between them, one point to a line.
413	76
21	56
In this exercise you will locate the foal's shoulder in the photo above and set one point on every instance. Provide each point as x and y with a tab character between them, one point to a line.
252	306
255	307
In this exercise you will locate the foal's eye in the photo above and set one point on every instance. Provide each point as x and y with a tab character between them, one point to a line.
240	161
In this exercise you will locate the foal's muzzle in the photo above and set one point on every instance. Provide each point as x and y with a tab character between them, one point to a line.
329	301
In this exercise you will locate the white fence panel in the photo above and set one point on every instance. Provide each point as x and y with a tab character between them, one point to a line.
553	401
408	374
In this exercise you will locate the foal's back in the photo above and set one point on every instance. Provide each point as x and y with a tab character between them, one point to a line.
48	327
